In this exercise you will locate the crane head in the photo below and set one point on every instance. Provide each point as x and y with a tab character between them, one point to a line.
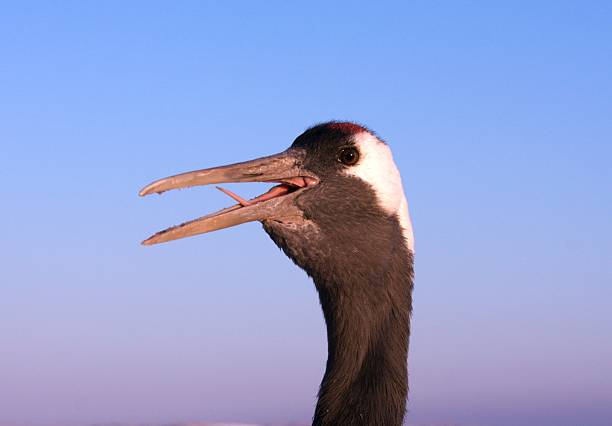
336	178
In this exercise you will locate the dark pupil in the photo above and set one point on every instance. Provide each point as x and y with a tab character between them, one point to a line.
349	156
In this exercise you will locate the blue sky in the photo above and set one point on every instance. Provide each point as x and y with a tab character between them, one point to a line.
499	118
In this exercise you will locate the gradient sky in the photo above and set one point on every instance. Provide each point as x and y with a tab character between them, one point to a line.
500	118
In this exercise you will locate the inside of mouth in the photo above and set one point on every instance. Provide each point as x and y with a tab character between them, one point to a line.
274	192
286	187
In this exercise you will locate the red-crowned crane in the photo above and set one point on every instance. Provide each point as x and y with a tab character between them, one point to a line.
340	213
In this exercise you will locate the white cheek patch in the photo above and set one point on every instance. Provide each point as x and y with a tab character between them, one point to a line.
377	167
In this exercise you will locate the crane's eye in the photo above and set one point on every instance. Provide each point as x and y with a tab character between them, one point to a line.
349	156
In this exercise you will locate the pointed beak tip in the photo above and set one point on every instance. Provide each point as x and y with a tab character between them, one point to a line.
145	191
152	189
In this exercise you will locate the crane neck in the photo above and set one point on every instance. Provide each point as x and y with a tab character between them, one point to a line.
361	262
368	328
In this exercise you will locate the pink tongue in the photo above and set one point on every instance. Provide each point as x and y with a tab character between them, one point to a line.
301	182
277	191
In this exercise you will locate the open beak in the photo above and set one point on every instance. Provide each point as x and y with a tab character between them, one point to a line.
277	204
